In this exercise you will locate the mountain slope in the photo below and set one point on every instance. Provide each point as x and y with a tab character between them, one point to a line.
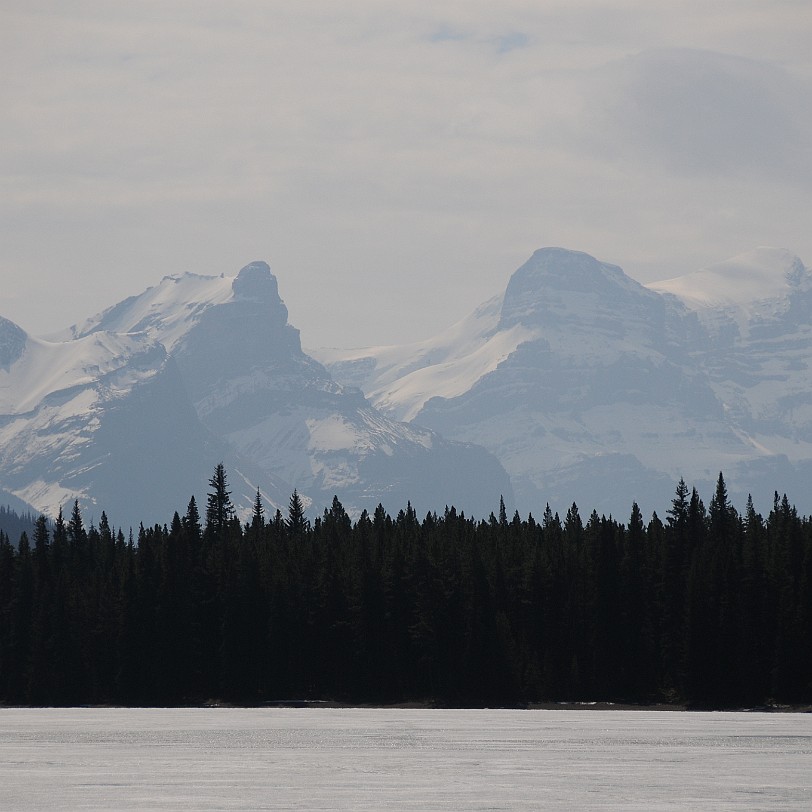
758	311
747	282
400	379
98	419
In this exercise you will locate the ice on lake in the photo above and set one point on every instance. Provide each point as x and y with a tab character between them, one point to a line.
363	759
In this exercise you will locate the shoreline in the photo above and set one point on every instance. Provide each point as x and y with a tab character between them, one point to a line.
315	704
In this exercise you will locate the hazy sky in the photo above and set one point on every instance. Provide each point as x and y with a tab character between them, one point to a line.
393	161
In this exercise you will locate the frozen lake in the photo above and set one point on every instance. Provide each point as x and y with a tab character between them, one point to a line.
360	759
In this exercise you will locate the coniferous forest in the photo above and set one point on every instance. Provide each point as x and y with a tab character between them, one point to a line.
707	606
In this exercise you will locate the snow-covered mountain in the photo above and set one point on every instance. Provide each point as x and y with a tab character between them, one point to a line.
591	387
103	418
131	410
579	382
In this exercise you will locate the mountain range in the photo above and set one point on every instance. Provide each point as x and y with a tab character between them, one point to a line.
576	384
593	388
130	411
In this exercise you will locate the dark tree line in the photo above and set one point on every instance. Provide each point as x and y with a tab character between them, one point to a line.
710	607
14	524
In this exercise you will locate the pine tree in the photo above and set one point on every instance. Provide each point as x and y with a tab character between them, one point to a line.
297	523
258	517
105	530
60	542
678	513
41	546
721	513
673	564
77	536
219	509
635	621
502	512
191	521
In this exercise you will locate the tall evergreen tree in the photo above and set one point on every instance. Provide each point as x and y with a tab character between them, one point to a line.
296	522
678	512
77	536
502	512
60	542
219	509
191	521
258	517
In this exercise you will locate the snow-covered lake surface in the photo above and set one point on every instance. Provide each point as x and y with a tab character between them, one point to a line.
361	759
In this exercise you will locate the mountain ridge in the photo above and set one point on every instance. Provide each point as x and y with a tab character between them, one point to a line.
576	383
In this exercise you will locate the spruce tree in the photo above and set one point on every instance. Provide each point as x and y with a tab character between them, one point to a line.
297	523
77	536
502	512
219	509
258	517
191	521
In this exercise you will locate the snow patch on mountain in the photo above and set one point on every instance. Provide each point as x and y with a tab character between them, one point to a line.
400	379
164	312
47	497
44	368
756	284
404	397
389	363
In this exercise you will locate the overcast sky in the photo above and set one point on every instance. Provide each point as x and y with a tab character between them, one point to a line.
394	162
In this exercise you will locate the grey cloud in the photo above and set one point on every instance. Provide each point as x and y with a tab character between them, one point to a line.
391	148
502	43
511	42
445	33
699	113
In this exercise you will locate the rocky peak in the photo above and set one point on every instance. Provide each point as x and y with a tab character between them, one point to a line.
554	280
256	283
12	343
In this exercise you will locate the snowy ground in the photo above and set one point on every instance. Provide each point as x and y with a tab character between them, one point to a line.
317	759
